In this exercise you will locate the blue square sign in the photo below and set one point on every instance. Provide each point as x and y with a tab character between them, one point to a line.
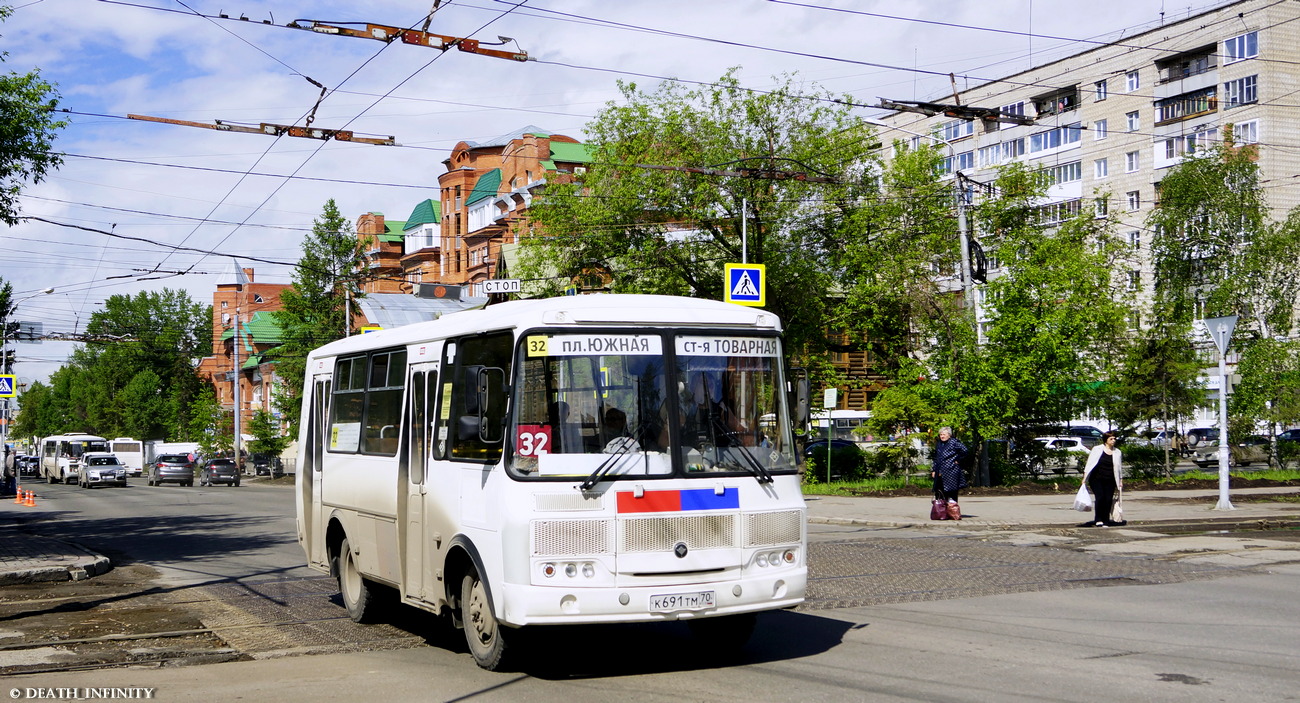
745	284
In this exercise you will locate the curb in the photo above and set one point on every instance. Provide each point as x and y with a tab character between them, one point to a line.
83	565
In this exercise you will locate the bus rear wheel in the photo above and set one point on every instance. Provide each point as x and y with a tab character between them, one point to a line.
358	593
483	632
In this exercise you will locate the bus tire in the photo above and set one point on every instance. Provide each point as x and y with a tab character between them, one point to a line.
357	592
483	633
723	636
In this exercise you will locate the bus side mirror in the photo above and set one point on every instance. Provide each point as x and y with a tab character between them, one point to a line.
800	395
492	404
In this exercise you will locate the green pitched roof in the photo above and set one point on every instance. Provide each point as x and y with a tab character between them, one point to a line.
486	187
392	231
262	329
570	153
425	213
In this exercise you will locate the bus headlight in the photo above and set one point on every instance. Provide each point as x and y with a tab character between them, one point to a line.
570	569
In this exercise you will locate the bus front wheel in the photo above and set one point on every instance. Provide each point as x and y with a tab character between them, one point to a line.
483	633
358	596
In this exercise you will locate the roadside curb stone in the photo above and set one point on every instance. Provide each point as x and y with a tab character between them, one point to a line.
28	558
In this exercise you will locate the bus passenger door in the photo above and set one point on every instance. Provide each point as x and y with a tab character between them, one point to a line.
419	581
314	455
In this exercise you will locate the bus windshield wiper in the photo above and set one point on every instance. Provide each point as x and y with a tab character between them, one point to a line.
754	465
607	465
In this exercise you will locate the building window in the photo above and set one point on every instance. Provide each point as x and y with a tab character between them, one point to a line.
1134	280
1099	130
1246	132
1065	173
1015	109
1100	89
257	298
1013	148
1132	121
1102	208
1135	238
1100	168
957	129
1131	82
1055	213
1054	138
960	162
1134	321
225	319
1134	200
990	155
223	305
1245	46
1239	92
1131	161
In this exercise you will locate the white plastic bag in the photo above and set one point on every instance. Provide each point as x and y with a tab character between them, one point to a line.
1117	514
1082	501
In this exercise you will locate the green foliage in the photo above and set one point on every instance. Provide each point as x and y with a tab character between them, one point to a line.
890	459
846	463
267	438
1270	385
211	425
903	407
27	132
138	379
313	312
1144	461
670	231
1157	379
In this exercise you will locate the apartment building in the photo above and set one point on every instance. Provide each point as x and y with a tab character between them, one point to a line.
1108	123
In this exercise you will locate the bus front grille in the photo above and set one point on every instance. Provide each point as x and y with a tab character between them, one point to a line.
654	534
764	529
570	537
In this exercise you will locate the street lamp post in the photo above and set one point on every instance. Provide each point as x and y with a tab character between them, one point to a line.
4	359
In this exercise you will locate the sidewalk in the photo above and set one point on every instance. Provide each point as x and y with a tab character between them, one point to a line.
28	558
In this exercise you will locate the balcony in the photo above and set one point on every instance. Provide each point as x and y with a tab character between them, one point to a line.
1186	106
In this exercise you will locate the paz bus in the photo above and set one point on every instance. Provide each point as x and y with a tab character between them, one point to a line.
573	460
61	455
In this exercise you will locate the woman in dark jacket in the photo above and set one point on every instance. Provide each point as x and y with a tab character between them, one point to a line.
947	473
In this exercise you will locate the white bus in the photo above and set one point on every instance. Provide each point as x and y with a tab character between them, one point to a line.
61	455
840	424
583	459
130	452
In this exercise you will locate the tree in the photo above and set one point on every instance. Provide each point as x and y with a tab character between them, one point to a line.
211	425
135	377
314	311
655	209
27	133
268	439
1054	313
1217	252
1157	380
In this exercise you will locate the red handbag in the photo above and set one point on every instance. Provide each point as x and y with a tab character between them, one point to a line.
939	509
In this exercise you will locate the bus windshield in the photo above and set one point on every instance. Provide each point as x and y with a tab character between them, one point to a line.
610	405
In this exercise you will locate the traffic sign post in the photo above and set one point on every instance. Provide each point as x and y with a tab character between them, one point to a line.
745	284
500	285
8	385
1220	329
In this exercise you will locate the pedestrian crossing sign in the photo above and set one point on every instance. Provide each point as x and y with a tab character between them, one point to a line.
745	284
8	385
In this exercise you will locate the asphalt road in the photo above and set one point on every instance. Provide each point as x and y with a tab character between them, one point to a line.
893	615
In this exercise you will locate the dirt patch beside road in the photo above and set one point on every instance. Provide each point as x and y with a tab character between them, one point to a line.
115	618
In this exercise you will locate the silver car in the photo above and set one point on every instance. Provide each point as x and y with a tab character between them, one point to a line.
101	469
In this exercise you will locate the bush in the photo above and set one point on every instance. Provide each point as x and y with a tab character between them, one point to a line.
1288	455
847	464
1144	461
890	459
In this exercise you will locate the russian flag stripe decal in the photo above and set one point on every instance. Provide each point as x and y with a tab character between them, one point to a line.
678	501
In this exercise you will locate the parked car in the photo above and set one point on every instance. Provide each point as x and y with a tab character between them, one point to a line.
820	445
28	466
1058	454
1152	438
1202	436
101	469
1289	435
268	466
173	468
1090	435
1253	450
219	470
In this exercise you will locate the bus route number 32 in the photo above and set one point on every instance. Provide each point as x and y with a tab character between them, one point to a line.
531	440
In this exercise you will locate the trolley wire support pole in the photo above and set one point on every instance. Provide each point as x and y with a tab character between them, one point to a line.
388	34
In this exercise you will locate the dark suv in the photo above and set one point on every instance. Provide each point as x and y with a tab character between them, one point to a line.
174	468
220	470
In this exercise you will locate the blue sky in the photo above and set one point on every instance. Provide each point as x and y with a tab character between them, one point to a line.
158	58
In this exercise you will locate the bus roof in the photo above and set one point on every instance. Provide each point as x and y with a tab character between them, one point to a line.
605	310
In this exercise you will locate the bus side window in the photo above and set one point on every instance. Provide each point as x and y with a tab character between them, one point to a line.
489	350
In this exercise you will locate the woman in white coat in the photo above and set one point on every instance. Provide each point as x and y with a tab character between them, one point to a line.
1104	475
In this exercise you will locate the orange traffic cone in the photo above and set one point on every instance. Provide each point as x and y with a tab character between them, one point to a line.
18	497
31	499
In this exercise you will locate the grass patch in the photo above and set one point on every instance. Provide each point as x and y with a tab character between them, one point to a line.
1266	474
867	485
